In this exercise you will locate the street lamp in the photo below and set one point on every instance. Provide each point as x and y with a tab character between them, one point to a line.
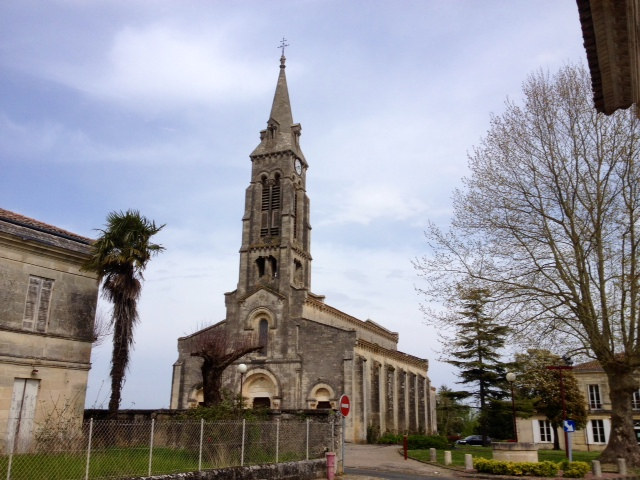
242	369
511	377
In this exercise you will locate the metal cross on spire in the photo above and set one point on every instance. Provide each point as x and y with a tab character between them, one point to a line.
283	45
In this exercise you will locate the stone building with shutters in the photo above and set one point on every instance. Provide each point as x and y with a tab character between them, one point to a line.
47	311
594	386
311	353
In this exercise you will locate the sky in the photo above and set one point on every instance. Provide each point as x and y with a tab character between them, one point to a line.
156	106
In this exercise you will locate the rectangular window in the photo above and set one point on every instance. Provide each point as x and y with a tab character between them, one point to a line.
597	429
545	431
635	400
595	401
36	310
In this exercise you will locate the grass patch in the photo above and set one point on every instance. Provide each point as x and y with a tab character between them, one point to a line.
119	462
458	453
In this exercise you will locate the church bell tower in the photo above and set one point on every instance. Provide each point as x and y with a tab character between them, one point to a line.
276	232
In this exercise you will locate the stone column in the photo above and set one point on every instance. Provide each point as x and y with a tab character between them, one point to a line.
374	419
413	414
391	399
422	419
402	401
348	389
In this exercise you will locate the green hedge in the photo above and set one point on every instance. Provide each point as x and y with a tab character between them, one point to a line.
416	442
425	442
518	469
574	469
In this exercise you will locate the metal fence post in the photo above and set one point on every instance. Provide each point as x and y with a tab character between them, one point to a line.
86	471
277	438
153	424
242	449
201	434
308	420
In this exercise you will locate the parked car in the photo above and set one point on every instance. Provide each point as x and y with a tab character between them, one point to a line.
472	440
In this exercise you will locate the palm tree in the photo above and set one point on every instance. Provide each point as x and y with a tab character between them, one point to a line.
118	257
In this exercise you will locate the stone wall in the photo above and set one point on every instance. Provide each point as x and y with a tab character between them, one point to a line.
304	470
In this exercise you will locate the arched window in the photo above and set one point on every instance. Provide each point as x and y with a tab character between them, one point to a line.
263	338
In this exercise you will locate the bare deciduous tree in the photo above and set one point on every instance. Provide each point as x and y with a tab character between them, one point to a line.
547	222
102	327
218	350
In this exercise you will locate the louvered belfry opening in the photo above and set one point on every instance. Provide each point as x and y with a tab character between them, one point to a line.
295	215
271	201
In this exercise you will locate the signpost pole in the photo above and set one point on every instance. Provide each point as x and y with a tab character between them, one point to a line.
344	426
345	408
569	426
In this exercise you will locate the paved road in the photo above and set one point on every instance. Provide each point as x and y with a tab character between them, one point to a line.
373	462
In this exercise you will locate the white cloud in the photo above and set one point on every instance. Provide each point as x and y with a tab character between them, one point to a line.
167	67
366	203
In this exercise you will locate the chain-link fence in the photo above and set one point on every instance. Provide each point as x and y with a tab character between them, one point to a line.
115	449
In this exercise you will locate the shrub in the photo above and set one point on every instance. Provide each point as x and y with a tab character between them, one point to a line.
518	469
416	442
425	442
390	439
574	469
373	433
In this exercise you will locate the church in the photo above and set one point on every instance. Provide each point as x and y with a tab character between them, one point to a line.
311	353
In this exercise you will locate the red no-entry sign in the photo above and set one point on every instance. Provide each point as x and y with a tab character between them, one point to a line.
345	405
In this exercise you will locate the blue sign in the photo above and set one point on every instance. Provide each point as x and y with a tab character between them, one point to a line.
569	426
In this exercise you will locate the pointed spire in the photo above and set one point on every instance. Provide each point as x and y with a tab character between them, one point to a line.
281	108
281	134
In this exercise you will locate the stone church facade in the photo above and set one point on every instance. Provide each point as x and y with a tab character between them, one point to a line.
312	353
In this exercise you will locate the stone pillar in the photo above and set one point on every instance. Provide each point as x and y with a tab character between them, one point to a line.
382	375
402	401
422	418
349	390
391	399
374	394
413	414
359	416
432	409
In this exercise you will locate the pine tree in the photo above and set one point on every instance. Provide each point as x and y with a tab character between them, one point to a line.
475	352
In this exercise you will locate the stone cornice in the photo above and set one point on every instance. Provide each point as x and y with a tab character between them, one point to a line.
420	363
370	326
40	244
43	362
44	334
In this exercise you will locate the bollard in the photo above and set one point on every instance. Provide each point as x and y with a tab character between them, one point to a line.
468	462
432	455
447	457
622	466
405	446
596	468
331	465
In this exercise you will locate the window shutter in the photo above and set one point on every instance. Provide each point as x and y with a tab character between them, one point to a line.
43	307
30	308
536	431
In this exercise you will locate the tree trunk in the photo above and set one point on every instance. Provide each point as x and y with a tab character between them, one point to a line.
211	384
119	361
622	442
556	437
